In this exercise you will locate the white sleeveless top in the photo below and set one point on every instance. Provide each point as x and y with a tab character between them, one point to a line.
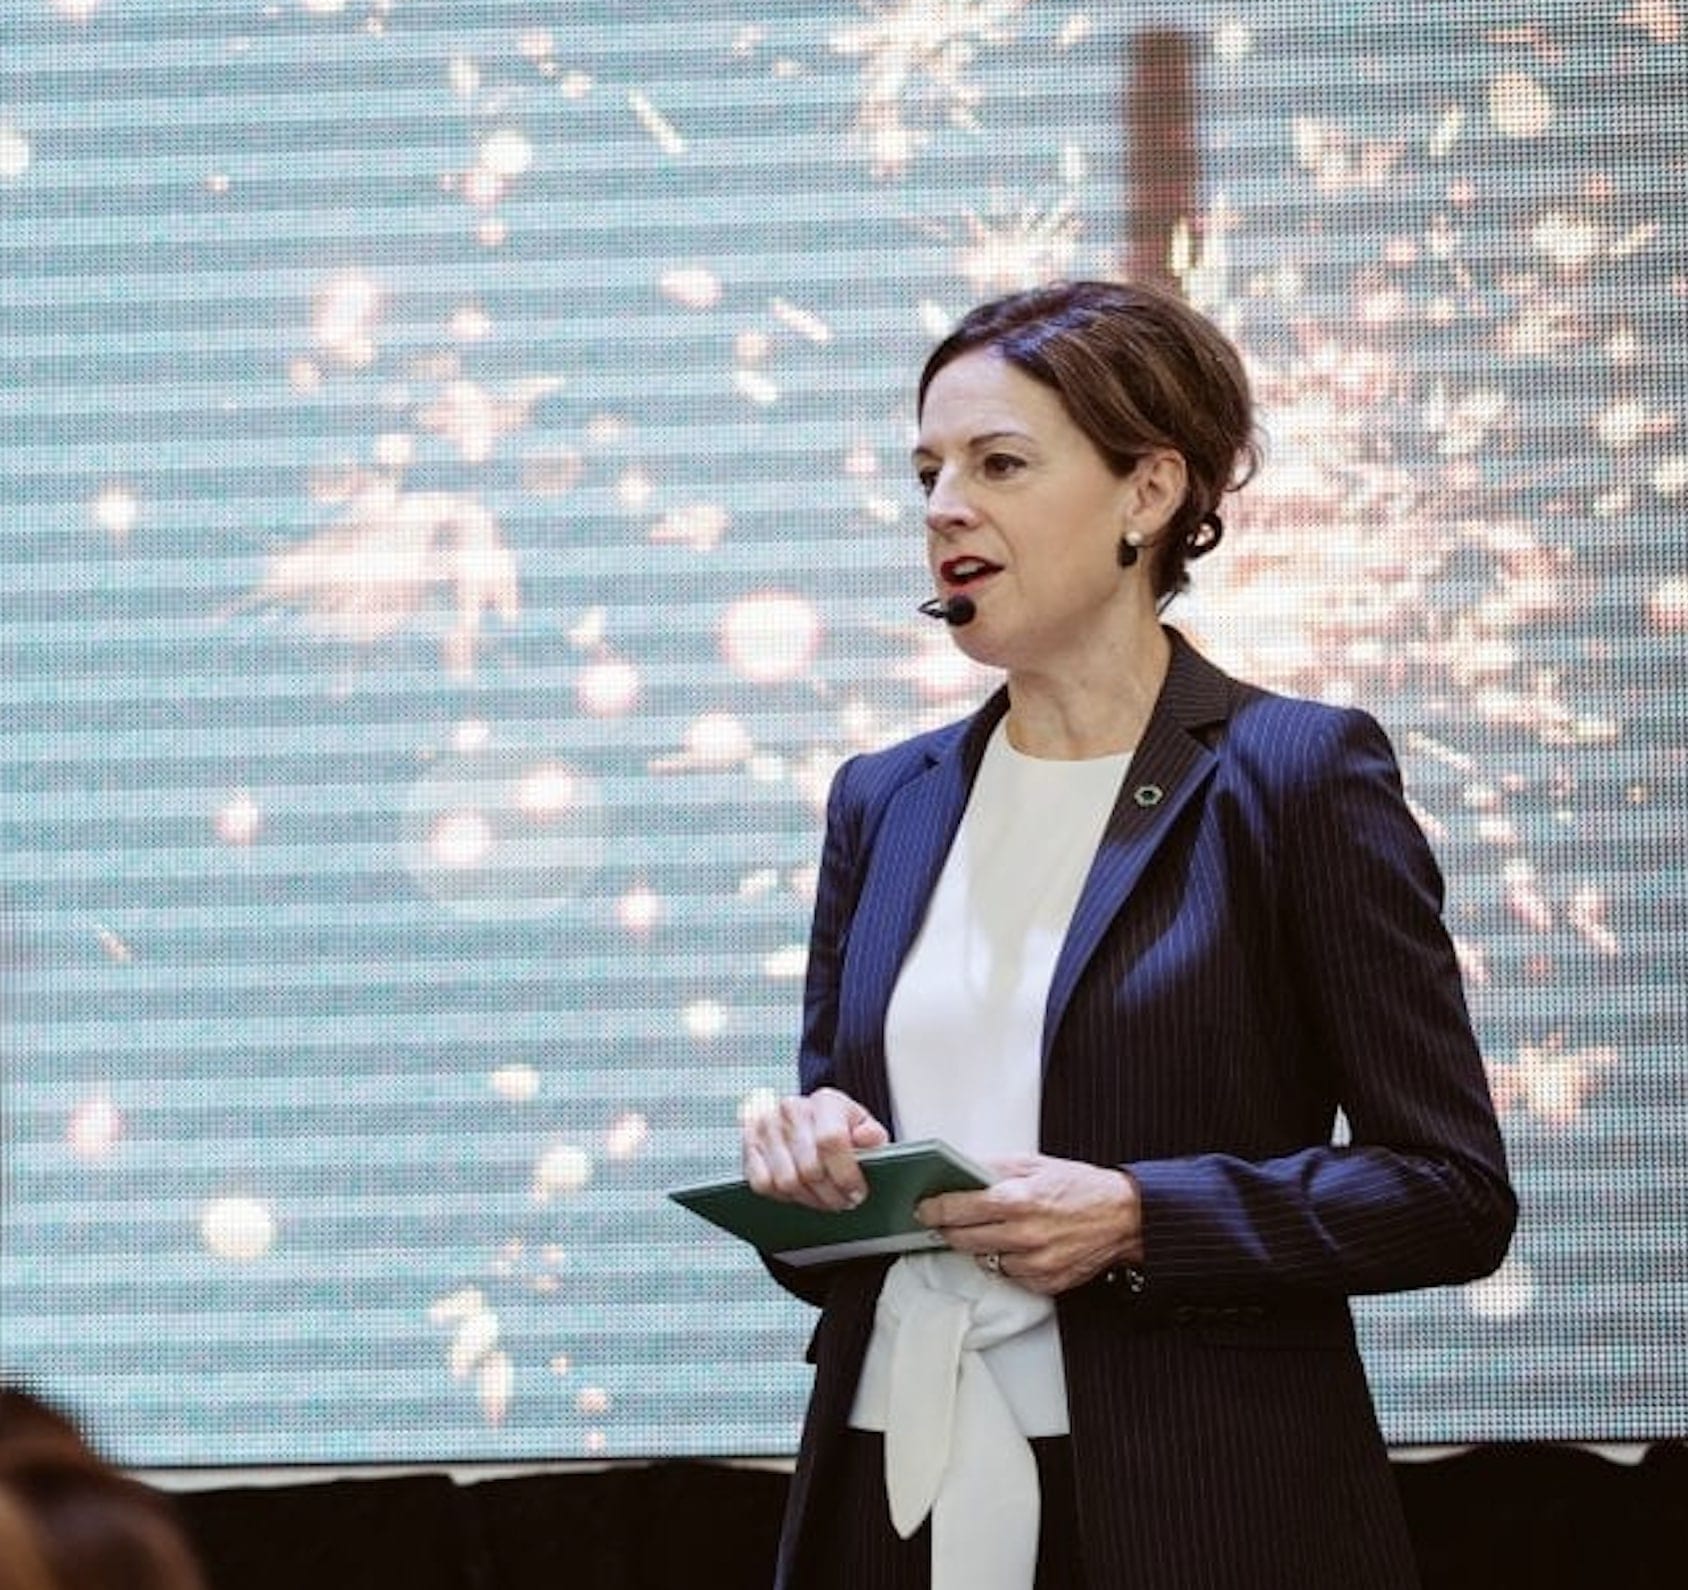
964	1032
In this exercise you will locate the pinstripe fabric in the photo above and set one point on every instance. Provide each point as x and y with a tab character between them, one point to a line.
858	1549
1259	941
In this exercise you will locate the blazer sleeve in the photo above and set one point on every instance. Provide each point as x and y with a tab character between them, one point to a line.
836	888
1419	1194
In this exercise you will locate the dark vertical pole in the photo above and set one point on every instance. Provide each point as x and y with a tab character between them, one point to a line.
1161	157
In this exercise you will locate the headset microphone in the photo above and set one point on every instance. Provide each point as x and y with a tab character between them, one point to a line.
953	610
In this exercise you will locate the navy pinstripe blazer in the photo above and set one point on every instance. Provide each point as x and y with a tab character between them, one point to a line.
1259	942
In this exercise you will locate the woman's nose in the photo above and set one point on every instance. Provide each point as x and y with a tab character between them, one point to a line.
947	506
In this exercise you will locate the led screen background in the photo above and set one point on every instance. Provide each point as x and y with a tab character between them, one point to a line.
455	515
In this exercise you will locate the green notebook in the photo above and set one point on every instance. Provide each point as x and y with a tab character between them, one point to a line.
898	1175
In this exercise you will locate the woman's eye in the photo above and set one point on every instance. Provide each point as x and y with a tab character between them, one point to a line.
927	479
997	465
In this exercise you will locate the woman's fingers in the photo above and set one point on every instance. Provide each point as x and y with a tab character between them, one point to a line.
803	1149
1052	1223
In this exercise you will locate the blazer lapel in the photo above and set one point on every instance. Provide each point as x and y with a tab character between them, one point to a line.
919	822
911	842
1169	766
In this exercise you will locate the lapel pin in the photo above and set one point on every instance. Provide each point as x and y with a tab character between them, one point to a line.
1147	795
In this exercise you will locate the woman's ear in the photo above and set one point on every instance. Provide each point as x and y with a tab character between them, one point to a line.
1159	484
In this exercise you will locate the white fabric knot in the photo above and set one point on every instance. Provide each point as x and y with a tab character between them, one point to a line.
953	1448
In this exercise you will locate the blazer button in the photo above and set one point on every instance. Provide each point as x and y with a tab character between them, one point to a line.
1128	1276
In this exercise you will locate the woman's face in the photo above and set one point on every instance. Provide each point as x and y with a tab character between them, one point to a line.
1024	517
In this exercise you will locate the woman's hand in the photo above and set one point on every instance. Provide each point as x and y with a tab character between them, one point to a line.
1051	1224
803	1149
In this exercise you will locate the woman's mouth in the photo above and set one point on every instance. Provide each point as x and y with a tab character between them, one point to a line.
958	573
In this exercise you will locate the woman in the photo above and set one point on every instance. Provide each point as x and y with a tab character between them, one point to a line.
1133	933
